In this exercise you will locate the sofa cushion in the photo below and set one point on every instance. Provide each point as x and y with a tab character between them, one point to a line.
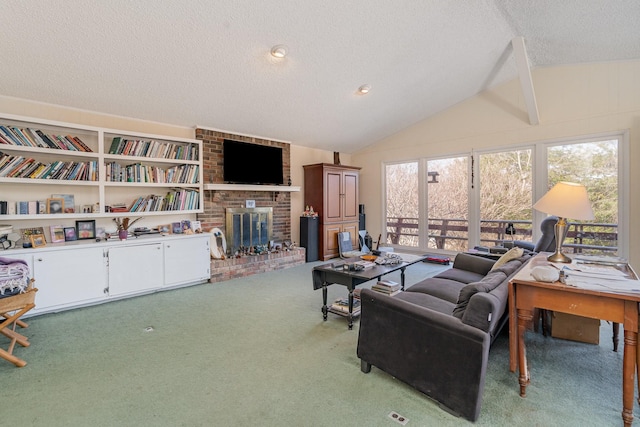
487	284
512	253
459	275
426	300
445	289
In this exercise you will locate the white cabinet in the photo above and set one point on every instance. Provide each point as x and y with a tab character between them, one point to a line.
97	272
135	268
186	260
68	278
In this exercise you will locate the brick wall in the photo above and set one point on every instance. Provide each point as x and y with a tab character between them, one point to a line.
226	269
216	201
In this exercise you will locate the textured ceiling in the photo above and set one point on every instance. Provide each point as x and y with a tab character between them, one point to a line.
207	62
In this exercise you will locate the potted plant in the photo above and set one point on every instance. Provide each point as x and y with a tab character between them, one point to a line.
123	225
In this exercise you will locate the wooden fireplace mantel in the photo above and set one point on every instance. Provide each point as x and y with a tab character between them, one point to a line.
249	187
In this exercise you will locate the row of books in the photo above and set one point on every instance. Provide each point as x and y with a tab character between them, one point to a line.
155	149
388	287
25	167
29	137
173	201
179	174
23	208
341	305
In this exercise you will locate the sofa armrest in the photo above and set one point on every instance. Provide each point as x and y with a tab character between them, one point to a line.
484	312
434	352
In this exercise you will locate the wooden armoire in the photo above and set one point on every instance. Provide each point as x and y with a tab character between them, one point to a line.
332	190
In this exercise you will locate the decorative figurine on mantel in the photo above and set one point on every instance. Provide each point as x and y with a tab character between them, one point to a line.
309	212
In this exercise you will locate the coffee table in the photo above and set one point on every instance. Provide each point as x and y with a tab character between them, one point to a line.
334	273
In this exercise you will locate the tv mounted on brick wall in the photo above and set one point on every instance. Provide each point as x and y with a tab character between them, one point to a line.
245	163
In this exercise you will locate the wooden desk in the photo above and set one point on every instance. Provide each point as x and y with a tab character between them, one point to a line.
525	294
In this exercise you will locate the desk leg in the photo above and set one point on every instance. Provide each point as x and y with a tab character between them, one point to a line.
513	329
628	375
524	319
350	308
325	309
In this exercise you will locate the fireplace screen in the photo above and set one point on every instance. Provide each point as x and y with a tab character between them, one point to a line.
248	227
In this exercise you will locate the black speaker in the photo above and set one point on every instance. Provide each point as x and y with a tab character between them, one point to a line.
361	222
361	209
309	237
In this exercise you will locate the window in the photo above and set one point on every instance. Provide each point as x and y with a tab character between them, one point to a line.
402	187
595	165
505	196
456	203
448	203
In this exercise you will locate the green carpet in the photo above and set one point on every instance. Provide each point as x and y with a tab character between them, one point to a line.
255	352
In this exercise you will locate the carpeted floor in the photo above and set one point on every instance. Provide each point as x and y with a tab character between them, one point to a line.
255	352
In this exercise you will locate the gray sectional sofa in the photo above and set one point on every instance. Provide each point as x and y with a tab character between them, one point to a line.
436	335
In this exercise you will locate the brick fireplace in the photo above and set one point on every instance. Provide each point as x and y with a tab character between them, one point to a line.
216	202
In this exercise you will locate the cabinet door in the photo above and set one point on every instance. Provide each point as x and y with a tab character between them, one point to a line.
186	261
135	269
333	196
350	196
330	233
68	278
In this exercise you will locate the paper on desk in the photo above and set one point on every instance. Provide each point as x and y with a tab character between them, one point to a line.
600	283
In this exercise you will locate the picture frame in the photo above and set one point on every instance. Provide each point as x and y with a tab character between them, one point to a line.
55	205
164	228
86	229
26	233
70	234
68	205
196	226
57	233
87	208
37	240
100	233
176	228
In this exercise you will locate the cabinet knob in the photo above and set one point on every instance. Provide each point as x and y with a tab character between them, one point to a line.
39	259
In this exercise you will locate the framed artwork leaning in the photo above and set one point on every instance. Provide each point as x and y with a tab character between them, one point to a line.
37	240
57	233
55	205
70	234
86	229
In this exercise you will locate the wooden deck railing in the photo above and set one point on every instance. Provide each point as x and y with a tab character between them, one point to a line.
580	237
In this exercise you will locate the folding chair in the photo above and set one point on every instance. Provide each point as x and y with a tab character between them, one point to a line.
345	246
17	297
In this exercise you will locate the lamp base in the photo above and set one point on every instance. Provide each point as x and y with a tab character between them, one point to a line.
558	257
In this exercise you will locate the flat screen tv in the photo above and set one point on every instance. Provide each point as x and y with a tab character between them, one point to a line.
245	163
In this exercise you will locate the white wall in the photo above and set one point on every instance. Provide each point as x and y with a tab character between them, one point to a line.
572	101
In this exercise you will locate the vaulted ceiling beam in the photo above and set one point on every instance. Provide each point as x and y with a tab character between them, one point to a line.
526	82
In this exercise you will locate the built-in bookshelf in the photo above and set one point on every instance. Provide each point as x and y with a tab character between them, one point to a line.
147	174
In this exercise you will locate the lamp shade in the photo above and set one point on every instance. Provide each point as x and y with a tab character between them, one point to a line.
566	200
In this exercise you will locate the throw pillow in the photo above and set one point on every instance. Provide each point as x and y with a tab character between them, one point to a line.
487	284
512	253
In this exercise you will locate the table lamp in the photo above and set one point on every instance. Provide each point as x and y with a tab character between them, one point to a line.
564	200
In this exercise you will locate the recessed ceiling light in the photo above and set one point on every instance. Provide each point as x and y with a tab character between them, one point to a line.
279	51
364	89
